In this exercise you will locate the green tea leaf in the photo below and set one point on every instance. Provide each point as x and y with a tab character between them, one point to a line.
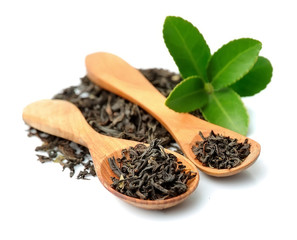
226	109
187	47
232	61
188	95
256	80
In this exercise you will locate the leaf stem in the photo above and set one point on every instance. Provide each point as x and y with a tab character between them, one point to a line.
208	88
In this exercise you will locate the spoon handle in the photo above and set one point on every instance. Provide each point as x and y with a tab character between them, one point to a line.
115	75
59	118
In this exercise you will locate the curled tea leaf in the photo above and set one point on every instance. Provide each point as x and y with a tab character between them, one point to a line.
221	152
149	172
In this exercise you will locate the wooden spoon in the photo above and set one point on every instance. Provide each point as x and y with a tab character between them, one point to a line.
114	74
63	119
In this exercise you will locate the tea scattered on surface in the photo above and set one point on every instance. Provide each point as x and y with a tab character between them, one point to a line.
221	152
108	114
149	173
68	154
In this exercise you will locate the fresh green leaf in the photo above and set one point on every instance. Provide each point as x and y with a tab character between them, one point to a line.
188	95
213	83
187	47
232	61
256	80
226	109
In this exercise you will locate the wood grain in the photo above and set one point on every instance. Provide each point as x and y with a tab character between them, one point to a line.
63	119
115	75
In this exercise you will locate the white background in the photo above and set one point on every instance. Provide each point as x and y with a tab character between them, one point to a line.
42	49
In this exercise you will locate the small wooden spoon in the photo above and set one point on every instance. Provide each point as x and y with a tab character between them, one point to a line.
114	74
63	119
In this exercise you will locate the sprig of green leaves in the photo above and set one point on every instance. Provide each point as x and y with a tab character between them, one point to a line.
214	83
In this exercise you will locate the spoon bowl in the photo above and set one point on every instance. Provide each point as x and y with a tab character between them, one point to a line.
115	75
254	152
63	119
105	174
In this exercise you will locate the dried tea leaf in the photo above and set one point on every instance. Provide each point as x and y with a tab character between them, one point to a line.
93	101
221	152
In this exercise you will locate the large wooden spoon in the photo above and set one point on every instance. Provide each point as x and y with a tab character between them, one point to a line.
63	119
114	74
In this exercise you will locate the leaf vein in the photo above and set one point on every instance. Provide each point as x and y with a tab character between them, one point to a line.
188	51
230	62
185	96
224	111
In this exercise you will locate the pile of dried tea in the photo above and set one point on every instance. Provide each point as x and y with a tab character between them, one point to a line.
221	152
149	173
108	114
